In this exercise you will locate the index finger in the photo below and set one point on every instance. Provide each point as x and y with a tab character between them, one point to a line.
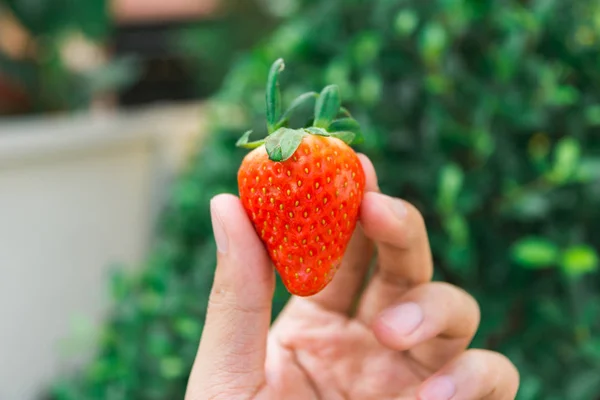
404	256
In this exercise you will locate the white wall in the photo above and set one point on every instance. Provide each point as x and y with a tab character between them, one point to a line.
75	196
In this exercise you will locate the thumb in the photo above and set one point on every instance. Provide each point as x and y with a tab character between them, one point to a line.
232	349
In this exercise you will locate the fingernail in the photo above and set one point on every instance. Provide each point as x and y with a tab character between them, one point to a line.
404	319
442	388
399	208
218	229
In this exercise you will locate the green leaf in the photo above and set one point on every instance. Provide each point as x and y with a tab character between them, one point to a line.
450	184
370	88
457	228
274	95
345	136
433	41
288	38
531	205
584	385
338	72
566	160
345	112
579	260
535	253
592	115
367	48
327	107
406	22
564	96
437	83
93	17
317	131
588	170
530	388
50	18
349	125
539	147
591	348
298	102
243	141
171	367
283	143
188	328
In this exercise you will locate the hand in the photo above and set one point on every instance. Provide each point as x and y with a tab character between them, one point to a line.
400	337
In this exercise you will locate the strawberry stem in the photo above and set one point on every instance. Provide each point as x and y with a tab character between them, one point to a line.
344	111
282	144
327	107
345	136
243	141
299	101
347	125
330	119
273	95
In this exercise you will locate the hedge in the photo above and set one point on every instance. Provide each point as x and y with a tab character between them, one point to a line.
485	114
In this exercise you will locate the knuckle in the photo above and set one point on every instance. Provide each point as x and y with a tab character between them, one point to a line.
504	367
410	231
479	361
445	292
489	363
510	368
457	297
414	212
223	300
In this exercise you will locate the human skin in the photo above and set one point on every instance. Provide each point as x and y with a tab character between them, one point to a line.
386	334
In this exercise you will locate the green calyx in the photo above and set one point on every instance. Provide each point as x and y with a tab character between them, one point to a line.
330	119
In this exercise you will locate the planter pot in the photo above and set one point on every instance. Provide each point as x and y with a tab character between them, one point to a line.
13	99
76	194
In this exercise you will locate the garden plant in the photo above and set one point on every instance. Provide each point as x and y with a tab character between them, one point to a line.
484	114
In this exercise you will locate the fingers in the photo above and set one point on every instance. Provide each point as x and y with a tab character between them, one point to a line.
398	230
233	346
432	322
339	295
474	375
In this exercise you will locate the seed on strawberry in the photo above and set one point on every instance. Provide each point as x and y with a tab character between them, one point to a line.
302	188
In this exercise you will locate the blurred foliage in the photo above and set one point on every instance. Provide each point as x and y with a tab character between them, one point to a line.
485	114
209	47
61	35
62	64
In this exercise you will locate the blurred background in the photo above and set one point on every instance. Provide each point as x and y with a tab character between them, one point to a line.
118	121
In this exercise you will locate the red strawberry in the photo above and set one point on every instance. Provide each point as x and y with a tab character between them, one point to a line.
305	208
302	190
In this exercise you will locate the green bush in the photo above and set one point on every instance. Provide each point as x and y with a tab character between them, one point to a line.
484	114
43	78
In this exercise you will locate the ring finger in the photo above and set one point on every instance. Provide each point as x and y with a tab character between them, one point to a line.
432	323
474	375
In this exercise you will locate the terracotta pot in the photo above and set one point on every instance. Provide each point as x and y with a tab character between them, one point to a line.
13	98
144	11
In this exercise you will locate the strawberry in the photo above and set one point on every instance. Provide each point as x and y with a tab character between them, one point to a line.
302	188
